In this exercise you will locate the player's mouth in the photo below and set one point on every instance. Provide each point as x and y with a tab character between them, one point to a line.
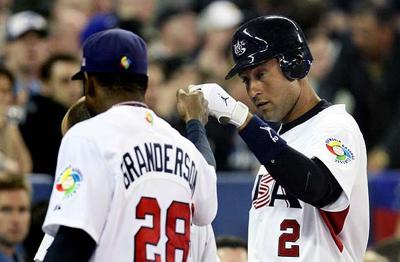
261	105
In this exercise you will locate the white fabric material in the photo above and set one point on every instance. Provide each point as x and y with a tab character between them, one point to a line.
272	221
44	245
110	164
203	247
221	105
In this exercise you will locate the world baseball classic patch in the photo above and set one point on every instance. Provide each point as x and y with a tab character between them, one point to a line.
68	182
342	153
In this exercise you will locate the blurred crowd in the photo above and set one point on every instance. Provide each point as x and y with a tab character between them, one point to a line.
355	45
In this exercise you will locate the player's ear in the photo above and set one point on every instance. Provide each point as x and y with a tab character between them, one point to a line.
90	82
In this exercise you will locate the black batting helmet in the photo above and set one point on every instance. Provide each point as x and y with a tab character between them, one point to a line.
268	37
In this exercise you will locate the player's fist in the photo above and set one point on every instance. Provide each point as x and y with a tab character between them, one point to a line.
221	105
192	106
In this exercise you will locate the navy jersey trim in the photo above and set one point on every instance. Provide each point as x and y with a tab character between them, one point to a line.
323	104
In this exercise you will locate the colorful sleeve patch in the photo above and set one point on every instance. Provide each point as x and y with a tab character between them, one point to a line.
69	182
342	153
149	118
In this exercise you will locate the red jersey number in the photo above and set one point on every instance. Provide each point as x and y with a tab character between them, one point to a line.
286	240
176	212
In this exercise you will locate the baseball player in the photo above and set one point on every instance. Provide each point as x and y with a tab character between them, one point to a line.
310	197
128	185
202	240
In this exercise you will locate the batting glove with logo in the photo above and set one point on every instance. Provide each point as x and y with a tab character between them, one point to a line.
221	105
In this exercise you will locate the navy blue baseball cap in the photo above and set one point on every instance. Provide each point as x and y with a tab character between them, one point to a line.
113	51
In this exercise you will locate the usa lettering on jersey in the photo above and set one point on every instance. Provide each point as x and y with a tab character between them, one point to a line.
268	191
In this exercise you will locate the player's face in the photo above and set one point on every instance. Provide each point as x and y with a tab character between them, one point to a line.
271	92
14	216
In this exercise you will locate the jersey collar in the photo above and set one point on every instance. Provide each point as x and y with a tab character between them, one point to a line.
323	104
132	103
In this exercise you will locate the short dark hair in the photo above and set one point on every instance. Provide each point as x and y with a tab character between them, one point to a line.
231	242
127	82
45	70
4	71
10	181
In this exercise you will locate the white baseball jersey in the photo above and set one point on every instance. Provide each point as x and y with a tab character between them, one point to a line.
284	228
203	247
133	183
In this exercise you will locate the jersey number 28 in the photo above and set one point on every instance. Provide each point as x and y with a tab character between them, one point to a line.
151	235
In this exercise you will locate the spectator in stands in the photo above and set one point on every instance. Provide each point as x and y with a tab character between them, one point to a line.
178	35
15	198
217	23
25	52
133	15
367	69
65	27
45	112
56	77
136	15
155	86
5	13
324	52
35	235
231	249
84	6
14	156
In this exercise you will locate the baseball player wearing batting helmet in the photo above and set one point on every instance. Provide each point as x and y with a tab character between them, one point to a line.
310	197
127	185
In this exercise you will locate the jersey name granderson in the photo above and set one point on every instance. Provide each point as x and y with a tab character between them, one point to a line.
155	157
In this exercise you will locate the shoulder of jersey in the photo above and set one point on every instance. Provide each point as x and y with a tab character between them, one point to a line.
82	129
337	116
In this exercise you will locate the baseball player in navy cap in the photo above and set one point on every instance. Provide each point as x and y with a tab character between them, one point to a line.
127	185
310	197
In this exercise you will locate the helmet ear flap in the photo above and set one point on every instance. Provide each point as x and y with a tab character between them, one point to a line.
294	68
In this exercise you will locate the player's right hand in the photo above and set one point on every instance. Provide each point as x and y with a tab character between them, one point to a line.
221	105
192	106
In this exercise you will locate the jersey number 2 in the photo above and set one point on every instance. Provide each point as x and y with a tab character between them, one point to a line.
151	235
287	238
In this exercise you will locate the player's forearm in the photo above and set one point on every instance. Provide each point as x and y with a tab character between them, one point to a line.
196	133
307	179
70	244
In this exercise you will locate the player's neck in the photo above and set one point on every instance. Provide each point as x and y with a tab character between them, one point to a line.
124	98
306	101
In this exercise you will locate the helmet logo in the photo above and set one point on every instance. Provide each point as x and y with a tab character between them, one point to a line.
239	48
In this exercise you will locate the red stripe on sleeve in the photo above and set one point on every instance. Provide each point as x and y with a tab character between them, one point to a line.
335	222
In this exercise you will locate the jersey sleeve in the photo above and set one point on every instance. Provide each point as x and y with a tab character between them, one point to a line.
210	248
342	150
205	193
82	190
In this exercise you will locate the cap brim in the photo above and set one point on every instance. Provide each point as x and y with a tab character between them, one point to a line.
239	67
78	76
234	70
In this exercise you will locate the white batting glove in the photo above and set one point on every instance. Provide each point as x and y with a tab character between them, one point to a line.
221	105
